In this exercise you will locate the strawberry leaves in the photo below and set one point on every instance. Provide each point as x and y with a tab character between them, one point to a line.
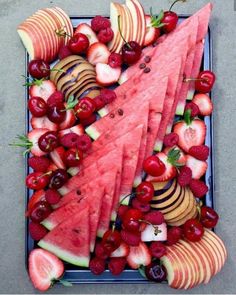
173	157
156	19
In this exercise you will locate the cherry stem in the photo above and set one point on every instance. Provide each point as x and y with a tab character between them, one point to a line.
199	205
119	27
62	33
195	79
175	3
156	229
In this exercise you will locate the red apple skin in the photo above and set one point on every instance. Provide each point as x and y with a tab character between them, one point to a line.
210	257
215	253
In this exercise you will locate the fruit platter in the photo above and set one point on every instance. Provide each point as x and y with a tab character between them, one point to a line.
119	147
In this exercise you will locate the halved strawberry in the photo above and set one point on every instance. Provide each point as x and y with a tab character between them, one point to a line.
70	118
42	88
43	122
35	198
139	255
44	269
77	129
198	167
191	132
152	31
88	31
182	158
98	53
122	251
107	75
204	104
52	167
57	156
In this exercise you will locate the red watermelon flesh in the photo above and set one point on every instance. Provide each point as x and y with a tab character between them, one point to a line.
70	240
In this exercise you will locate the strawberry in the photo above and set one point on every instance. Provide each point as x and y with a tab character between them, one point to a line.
39	164
35	198
182	158
204	104
77	129
44	269
52	167
97	265
105	35
154	217
106	75
70	118
171	139
139	255
198	167
43	122
200	152
191	132
184	177
198	188
130	238
52	196
152	30
122	251
64	52
55	98
41	88
193	108
87	30
37	231
116	265
57	156
98	53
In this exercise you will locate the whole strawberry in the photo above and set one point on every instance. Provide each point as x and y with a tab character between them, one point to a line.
185	176
200	152
198	188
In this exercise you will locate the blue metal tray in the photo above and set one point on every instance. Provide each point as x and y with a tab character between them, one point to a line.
78	275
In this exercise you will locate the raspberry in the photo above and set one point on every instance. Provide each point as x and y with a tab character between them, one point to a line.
141	206
69	140
157	249
115	60
52	196
121	211
99	23
174	234
132	239
194	109
99	102
39	164
37	231
200	152
171	139
84	143
105	35
88	121
97	266
55	98
108	95
154	217
100	251
184	176
116	265
198	188
64	52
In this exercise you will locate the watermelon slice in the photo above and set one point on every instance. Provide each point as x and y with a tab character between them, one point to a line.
70	240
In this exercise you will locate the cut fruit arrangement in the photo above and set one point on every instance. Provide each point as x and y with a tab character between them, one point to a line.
117	178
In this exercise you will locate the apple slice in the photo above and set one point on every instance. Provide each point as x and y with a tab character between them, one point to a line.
135	19
128	23
63	25
208	254
142	22
69	25
87	30
216	250
114	14
29	41
216	237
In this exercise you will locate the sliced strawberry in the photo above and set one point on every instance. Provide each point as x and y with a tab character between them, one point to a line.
44	269
88	31
35	198
43	122
152	33
98	53
107	75
182	158
198	167
204	104
77	129
33	137
42	88
139	255
57	156
69	120
122	251
52	167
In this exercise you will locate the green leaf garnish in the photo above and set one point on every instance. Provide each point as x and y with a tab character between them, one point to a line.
173	157
156	19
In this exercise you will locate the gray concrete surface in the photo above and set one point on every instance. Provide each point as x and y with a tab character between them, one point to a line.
13	277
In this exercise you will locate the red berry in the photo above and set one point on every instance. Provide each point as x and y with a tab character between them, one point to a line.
48	141
115	60
184	176
64	52
37	106
99	23
155	217
99	102
205	81
194	109
37	231
131	238
170	20
56	113
121	210
52	196
55	98
84	143
39	69
105	35
40	211
97	265
116	265
35	198
131	52
111	240
73	157
158	249
69	140
174	234
88	121
200	152
37	180
145	192
209	217
198	188
79	43
131	220
171	139
39	164
100	251
108	95
154	166
85	107
58	179
141	206
193	230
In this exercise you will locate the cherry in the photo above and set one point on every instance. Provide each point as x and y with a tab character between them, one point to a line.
100	251
143	207
131	220
145	192
170	19
37	106
37	180
158	249
39	69
79	43
48	141
205	81
56	113
40	211
85	108
155	272
58	179
111	241
209	217
154	166
193	230
174	234
73	157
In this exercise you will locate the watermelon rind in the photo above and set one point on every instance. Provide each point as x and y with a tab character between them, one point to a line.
180	109
46	223
190	94
65	255
158	146
73	171
92	132
103	112
137	181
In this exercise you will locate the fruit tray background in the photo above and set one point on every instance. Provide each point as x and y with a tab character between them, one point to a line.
78	275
